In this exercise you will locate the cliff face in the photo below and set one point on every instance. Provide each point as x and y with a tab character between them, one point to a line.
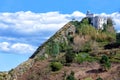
81	41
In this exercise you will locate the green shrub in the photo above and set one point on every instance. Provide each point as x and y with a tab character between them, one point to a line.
82	57
69	56
78	58
86	47
71	76
105	63
99	78
40	58
55	66
52	48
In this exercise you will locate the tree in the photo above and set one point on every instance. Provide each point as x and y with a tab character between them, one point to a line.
85	21
105	63
109	22
69	56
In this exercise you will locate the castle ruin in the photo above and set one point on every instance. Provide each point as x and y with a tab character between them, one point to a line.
96	21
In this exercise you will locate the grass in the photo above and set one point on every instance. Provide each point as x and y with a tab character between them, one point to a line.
115	58
84	57
89	78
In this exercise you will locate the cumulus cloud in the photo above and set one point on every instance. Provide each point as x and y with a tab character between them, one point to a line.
19	48
29	22
4	46
21	32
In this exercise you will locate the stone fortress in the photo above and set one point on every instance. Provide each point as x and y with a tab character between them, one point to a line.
96	21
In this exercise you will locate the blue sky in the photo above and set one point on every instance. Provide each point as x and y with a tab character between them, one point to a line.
26	24
64	6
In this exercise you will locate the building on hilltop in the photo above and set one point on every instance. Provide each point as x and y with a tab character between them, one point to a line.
96	21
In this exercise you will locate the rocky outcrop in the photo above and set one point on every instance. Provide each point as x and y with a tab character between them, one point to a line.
60	35
14	74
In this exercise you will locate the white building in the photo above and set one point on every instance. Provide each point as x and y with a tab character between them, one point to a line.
96	21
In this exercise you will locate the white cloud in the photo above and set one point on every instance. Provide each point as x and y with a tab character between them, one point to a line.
78	14
29	22
4	46
23	48
22	32
18	48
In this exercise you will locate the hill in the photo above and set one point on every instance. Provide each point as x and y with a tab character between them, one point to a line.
78	51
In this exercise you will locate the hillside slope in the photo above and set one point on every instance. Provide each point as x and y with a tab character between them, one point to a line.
77	47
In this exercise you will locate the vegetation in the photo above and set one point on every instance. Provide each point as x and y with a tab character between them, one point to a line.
69	56
83	57
107	34
71	76
53	48
99	78
63	45
105	63
89	78
87	44
55	66
118	38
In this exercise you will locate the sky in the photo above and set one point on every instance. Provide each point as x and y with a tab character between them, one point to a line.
26	24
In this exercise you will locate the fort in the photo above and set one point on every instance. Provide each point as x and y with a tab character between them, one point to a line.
96	21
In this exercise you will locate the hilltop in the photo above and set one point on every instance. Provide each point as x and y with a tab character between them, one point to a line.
78	51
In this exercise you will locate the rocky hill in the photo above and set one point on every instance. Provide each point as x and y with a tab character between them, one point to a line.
77	51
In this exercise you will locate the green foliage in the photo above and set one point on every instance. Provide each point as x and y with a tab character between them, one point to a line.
40	58
115	57
55	66
69	56
99	78
89	78
108	34
86	29
76	23
104	36
70	38
52	48
86	47
82	57
71	76
105	63
48	48
85	21
109	22
55	48
63	46
118	38
109	30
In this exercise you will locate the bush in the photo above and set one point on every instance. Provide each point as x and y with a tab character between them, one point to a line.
105	63
99	78
69	56
55	66
82	57
71	76
40	58
78	58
